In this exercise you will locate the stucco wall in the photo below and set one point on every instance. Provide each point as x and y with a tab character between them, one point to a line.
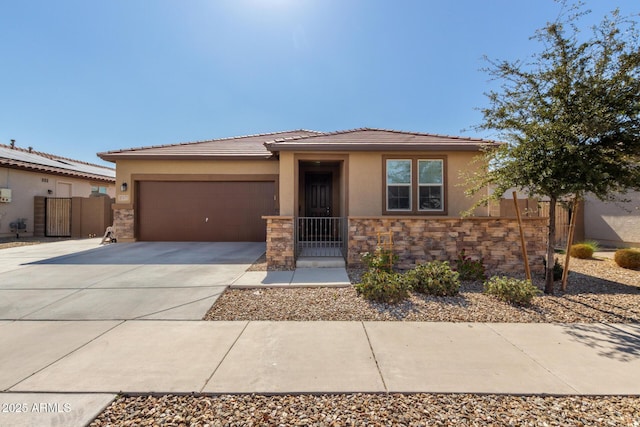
26	185
364	177
614	223
288	184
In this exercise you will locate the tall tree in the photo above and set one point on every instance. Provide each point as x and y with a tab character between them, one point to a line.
570	116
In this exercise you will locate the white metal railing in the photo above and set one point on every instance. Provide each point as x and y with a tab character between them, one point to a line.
321	236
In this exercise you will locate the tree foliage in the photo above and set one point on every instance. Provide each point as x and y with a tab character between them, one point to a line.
570	115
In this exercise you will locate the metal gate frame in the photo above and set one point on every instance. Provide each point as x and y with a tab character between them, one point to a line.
57	216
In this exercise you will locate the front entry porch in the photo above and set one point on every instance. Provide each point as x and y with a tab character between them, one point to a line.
320	229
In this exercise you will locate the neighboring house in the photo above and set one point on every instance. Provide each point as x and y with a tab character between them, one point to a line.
316	191
26	174
615	224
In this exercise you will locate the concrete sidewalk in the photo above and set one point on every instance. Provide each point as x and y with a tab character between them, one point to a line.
90	362
337	357
282	357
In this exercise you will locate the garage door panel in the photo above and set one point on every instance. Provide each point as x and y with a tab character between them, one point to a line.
204	211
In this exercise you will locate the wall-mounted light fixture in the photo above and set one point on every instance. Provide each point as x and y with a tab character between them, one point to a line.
124	187
49	191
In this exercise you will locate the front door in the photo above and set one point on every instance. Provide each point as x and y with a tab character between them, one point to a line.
318	194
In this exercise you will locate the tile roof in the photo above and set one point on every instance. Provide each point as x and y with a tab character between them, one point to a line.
247	146
263	146
20	158
378	139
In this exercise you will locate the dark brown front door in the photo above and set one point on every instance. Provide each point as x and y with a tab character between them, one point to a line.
204	211
318	194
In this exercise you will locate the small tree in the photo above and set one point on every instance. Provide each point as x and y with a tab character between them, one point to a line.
570	117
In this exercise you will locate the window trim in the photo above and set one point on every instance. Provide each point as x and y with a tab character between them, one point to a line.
419	185
410	185
414	198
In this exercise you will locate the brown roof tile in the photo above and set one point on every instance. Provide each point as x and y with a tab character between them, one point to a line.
367	139
248	146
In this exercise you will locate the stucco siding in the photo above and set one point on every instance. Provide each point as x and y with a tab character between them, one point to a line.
366	182
613	223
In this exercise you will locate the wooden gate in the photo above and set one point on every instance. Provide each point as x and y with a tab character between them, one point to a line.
57	217
563	217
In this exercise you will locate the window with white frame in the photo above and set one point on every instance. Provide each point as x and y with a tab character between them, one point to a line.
430	183
415	185
399	184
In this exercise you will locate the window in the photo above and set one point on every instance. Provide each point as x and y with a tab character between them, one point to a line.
98	189
416	179
430	185
399	185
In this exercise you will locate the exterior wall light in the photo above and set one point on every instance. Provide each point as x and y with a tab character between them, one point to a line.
124	187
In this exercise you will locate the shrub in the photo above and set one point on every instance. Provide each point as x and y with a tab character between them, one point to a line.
383	286
433	278
382	259
470	269
583	250
627	258
513	291
557	269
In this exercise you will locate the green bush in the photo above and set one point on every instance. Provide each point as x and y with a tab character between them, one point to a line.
513	291
470	269
433	278
627	258
382	259
583	250
383	286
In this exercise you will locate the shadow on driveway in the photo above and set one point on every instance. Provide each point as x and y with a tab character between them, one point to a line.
163	253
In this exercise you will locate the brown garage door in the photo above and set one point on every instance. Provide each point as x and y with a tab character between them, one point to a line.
204	211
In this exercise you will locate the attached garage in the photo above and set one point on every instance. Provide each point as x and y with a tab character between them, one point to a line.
204	211
216	190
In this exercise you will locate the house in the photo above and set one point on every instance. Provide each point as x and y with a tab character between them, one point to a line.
614	224
27	175
319	194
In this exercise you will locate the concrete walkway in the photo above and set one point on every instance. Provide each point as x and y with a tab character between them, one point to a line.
300	278
102	358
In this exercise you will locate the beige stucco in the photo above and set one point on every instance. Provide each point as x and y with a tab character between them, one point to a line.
613	223
288	186
364	180
25	185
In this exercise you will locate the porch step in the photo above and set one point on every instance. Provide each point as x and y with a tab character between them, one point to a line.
320	261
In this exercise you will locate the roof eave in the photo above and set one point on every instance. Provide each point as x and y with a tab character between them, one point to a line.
274	147
58	171
130	156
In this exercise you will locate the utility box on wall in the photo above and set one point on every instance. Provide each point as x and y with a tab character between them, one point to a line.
5	195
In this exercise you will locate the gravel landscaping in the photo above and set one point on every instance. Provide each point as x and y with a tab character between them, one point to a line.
598	291
371	410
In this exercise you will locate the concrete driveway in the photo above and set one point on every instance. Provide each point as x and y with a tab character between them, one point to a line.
81	280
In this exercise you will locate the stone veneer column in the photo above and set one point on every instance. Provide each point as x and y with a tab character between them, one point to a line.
280	243
419	240
123	223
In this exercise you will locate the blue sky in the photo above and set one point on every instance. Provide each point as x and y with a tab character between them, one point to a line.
80	77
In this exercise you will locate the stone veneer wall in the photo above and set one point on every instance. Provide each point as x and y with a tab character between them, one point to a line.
280	243
419	240
123	222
